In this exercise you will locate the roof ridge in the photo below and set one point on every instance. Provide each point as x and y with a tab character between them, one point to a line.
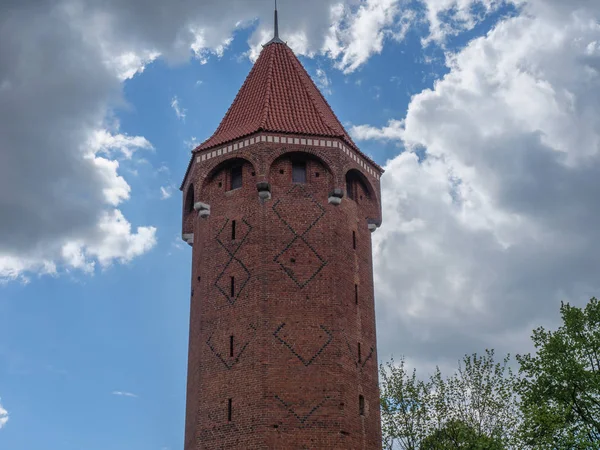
229	110
267	100
296	62
340	133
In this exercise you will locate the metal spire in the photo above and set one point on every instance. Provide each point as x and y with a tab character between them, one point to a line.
276	22
275	39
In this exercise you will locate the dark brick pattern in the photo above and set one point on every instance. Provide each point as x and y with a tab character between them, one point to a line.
232	259
300	237
302	419
231	361
309	361
294	382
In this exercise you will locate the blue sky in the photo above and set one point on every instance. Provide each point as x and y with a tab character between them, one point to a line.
477	246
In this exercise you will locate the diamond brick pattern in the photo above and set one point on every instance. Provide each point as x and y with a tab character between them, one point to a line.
299	207
299	259
223	355
352	352
234	265
290	340
302	418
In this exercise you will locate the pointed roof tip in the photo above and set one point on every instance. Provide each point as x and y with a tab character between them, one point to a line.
276	21
275	39
263	103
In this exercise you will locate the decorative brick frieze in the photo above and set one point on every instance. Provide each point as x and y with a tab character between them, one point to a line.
368	167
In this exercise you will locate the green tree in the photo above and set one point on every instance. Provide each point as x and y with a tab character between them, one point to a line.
560	385
404	407
456	434
476	406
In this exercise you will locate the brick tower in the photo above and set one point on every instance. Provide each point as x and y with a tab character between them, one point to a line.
279	206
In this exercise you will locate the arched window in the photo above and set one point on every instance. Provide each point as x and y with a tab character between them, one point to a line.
189	199
356	186
301	168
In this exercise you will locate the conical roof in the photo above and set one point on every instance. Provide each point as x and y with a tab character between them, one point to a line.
278	96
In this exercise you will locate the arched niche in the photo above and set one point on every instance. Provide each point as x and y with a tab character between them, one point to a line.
188	209
358	188
229	175
298	167
188	205
361	195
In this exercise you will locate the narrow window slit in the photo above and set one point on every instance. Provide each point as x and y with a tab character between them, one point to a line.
298	172
359	354
233	229
229	410
356	294
236	177
232	286
354	240
189	200
231	346
361	405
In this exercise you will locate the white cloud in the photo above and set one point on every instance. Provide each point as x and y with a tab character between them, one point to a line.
357	34
103	141
323	81
191	143
117	242
484	238
451	17
179	111
59	168
163	169
166	192
394	130
127	65
3	416
124	394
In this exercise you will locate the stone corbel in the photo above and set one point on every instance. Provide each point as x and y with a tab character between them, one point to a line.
203	209
373	224
264	190
335	196
189	238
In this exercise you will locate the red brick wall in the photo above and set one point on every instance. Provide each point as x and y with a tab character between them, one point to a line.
294	378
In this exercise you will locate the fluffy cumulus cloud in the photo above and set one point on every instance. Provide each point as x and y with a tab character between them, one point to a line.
3	416
487	226
451	17
60	186
62	65
393	131
358	33
491	214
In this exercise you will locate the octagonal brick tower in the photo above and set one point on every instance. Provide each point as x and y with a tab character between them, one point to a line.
279	206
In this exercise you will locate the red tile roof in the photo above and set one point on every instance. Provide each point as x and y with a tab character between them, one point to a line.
278	96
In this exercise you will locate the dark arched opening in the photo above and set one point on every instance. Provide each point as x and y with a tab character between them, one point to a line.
231	173
357	186
189	199
301	168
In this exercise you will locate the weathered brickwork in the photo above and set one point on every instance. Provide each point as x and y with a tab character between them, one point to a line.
280	306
